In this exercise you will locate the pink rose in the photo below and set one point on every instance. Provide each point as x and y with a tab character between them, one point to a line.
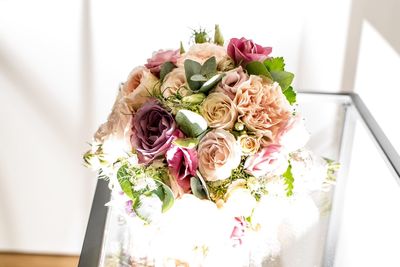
269	160
182	164
160	57
231	81
243	51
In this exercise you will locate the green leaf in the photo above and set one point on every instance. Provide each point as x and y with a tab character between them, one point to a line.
166	68
211	83
289	180
284	78
275	64
258	68
290	95
186	142
191	68
166	195
123	176
147	207
198	78
191	123
199	188
209	67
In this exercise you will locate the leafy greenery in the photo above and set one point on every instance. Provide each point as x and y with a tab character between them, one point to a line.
275	64
258	68
283	78
198	189
290	95
202	78
274	69
218	189
124	176
289	180
332	169
211	83
166	68
209	67
192	68
142	185
191	123
165	194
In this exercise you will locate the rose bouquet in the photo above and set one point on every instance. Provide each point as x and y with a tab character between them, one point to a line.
203	139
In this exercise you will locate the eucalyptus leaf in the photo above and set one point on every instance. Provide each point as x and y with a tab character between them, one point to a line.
209	67
202	190
166	68
198	78
211	83
186	142
258	68
284	78
123	176
191	68
166	195
197	188
191	123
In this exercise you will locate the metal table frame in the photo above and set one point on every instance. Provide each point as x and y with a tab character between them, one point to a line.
94	237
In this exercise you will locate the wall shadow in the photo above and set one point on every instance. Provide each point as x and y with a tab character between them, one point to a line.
383	16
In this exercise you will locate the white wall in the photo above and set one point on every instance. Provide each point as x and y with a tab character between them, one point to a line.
60	65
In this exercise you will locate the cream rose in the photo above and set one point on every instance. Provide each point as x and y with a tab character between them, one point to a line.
262	106
218	153
138	87
238	199
118	122
174	82
250	144
219	111
202	52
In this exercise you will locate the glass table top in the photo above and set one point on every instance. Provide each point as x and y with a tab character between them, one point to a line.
362	226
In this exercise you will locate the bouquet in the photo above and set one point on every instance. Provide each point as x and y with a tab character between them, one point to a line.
199	145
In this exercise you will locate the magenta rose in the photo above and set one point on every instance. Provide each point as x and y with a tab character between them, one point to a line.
243	51
182	164
153	131
160	57
268	161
